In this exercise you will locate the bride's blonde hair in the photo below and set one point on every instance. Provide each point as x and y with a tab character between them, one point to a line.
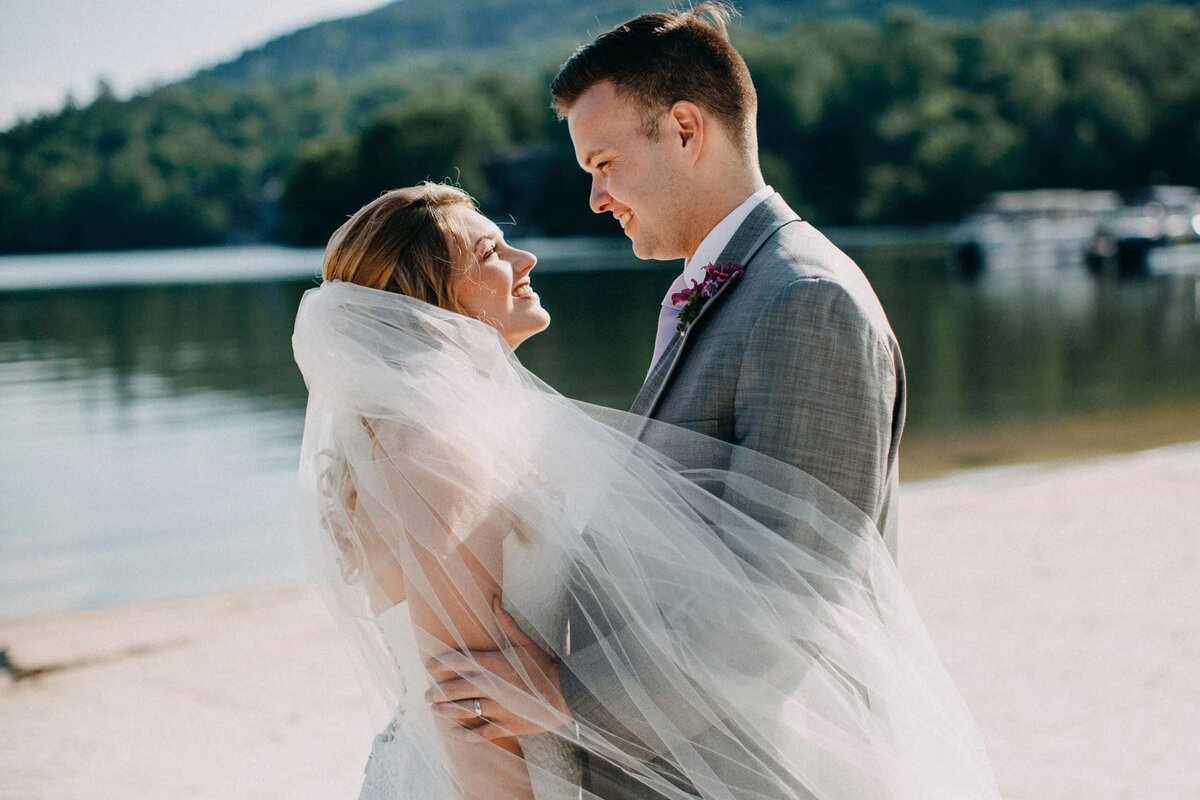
406	241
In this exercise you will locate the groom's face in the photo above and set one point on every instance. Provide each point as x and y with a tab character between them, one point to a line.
643	183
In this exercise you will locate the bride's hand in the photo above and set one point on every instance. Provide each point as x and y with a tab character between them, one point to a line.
517	686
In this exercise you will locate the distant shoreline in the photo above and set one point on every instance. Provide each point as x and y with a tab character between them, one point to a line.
270	261
1046	440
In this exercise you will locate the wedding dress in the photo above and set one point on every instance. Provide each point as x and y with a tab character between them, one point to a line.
399	767
733	634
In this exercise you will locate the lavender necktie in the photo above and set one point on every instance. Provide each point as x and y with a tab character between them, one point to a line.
668	318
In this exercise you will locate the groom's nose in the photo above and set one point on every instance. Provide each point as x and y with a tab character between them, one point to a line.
600	198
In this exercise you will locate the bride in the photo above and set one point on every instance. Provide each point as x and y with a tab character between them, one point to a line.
460	505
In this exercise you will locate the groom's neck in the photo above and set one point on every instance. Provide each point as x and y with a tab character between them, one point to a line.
716	193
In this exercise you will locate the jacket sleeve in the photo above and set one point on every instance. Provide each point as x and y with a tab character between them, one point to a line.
817	389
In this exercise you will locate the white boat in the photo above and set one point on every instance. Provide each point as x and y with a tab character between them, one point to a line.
1159	234
1033	230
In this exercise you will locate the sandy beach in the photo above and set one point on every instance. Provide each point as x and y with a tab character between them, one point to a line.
1063	597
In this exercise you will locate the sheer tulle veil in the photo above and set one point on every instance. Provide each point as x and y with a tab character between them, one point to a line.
756	630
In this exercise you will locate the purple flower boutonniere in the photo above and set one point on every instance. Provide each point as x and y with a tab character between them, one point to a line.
715	276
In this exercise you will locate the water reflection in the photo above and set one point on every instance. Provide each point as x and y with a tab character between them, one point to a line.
1037	343
150	437
151	431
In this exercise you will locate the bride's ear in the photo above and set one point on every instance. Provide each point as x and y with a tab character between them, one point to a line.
686	122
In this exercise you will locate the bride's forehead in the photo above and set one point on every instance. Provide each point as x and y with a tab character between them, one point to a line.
477	225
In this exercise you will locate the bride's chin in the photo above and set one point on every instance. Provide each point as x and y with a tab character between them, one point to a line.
530	333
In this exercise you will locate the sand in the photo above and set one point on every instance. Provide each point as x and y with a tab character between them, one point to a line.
1064	598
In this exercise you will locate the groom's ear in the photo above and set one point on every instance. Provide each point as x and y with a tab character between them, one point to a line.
687	126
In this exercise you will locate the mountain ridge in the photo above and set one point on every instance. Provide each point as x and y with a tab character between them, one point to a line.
907	119
529	34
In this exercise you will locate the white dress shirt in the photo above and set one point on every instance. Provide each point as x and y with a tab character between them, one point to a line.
707	253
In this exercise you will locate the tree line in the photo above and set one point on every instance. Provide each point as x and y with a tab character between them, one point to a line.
904	120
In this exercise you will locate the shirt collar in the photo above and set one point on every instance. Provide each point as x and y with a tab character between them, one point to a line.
715	242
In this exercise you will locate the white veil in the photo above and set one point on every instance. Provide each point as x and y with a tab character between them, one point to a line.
732	634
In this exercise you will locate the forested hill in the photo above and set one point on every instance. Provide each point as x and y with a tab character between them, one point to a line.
896	120
420	36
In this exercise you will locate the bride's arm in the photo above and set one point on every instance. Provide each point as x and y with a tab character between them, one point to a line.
449	579
447	619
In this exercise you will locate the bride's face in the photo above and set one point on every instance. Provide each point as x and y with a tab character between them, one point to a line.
495	285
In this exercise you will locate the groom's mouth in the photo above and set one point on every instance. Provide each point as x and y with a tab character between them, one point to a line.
624	218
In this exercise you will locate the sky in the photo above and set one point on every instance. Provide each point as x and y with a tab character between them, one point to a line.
51	47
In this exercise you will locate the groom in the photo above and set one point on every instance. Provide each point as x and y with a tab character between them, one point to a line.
791	355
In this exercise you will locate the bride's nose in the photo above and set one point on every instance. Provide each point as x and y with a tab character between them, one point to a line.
524	261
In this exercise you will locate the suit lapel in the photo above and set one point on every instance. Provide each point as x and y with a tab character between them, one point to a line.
762	223
651	390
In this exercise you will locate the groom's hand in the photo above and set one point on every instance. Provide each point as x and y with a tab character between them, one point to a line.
517	685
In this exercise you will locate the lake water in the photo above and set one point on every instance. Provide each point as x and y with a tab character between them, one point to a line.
150	412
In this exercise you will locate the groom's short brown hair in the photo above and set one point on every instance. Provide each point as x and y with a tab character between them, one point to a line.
661	58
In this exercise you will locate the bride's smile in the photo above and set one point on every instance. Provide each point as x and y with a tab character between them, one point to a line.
494	284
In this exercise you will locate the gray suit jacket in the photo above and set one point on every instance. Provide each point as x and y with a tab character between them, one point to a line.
796	360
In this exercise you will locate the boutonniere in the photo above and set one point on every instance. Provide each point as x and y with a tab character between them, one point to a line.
715	276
